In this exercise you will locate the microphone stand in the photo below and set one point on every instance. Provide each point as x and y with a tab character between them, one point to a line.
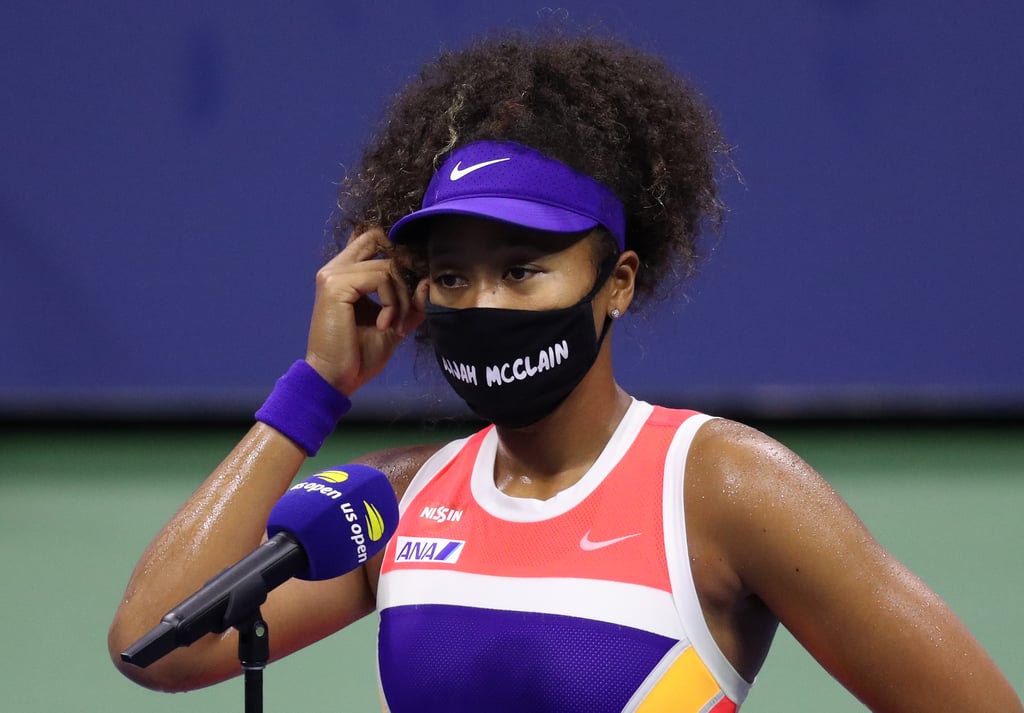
253	653
240	610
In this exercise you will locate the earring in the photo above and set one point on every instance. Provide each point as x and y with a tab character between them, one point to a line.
615	313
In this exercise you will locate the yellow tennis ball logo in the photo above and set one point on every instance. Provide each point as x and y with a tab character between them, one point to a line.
333	476
374	522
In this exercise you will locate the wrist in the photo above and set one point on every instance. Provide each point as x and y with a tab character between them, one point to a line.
304	406
327	371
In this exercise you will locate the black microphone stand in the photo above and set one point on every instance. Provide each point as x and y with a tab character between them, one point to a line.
253	653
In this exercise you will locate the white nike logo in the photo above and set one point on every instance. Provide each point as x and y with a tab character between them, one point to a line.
460	172
588	545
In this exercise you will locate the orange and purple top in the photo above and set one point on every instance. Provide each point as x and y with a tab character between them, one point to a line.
582	602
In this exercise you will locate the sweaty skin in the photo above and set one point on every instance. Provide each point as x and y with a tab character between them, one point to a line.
769	540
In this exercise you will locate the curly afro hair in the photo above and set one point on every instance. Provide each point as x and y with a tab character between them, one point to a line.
609	110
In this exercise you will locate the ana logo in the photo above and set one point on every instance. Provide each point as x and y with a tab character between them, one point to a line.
441	514
333	476
429	549
374	522
459	172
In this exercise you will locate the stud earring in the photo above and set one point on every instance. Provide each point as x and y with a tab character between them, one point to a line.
615	313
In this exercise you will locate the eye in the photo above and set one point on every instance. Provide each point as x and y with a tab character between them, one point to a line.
447	280
519	273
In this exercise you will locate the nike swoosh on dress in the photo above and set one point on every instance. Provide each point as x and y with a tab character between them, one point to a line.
588	545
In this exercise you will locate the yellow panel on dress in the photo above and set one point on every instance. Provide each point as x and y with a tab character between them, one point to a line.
687	687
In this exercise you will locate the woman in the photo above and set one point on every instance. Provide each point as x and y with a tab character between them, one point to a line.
533	193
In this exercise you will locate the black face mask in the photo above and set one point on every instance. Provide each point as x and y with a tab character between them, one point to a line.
511	366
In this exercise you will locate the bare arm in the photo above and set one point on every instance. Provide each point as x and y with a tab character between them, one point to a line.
219	524
874	625
350	340
223	521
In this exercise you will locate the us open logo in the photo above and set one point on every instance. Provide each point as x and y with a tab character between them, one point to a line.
429	549
333	476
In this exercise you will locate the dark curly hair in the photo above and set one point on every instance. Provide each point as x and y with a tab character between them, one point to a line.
609	110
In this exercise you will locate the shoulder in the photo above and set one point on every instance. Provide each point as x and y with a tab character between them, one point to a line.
400	464
742	462
780	528
760	501
729	448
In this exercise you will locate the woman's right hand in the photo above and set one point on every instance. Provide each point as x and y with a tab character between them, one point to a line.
351	337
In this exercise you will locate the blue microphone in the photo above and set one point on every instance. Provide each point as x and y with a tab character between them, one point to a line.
321	528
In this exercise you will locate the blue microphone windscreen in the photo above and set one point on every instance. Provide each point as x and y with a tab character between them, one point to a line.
341	516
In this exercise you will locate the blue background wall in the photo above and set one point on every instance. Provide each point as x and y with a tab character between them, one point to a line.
168	170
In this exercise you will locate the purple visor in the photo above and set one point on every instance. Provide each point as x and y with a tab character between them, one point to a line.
516	184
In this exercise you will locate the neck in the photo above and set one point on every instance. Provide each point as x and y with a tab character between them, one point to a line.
542	459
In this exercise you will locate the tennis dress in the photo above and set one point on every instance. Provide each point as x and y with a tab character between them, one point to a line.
582	602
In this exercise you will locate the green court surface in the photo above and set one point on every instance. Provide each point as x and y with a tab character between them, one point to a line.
78	506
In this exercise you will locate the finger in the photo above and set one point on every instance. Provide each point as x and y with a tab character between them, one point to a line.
419	297
413	312
390	302
361	247
404	299
350	284
386	290
417	307
374	230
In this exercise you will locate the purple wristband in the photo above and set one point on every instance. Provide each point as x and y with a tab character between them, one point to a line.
304	407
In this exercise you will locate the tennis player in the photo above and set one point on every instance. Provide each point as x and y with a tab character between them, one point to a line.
585	551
